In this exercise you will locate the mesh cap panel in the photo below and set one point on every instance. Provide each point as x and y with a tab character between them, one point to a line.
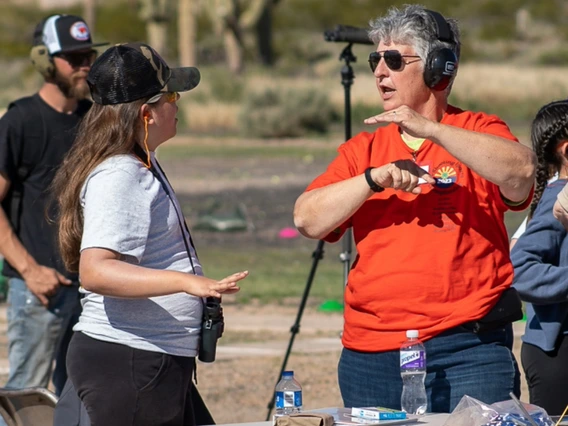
132	71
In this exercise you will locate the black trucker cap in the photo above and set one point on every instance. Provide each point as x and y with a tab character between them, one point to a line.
64	33
131	71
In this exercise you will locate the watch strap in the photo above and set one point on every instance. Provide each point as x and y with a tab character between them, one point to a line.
372	184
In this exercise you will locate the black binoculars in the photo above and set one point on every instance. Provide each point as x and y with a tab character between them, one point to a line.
211	329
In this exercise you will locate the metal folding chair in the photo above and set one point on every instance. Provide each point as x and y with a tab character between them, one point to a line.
27	407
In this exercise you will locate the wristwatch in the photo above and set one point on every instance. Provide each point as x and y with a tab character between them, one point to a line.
374	187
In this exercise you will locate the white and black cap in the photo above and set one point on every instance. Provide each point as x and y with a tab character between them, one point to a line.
64	33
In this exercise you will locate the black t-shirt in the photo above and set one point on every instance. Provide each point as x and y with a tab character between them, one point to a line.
34	139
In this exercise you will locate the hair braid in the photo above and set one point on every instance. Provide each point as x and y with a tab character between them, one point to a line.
549	128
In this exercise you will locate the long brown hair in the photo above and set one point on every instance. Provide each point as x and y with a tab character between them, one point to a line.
105	131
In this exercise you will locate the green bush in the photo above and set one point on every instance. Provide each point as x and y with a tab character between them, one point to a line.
298	50
521	111
286	113
17	27
119	23
223	85
361	111
501	28
553	57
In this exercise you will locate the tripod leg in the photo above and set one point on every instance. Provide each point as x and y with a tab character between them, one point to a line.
347	76
295	329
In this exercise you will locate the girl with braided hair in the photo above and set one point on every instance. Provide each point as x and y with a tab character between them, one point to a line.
540	259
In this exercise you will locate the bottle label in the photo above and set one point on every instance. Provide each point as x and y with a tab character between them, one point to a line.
286	399
412	359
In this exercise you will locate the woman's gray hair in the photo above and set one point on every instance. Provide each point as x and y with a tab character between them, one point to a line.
413	25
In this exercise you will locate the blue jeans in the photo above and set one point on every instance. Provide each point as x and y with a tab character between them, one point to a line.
459	362
38	335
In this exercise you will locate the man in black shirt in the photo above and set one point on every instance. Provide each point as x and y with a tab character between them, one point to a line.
35	134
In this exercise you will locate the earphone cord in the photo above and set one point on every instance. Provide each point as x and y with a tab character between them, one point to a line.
148	162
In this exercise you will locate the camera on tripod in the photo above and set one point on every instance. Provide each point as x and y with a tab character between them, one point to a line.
348	34
211	329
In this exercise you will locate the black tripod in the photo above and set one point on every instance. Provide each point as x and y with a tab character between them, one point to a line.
347	77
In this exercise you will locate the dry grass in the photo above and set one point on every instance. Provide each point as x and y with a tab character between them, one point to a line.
504	82
479	84
210	117
483	83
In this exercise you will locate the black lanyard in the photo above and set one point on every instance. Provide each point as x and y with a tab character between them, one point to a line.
210	302
139	152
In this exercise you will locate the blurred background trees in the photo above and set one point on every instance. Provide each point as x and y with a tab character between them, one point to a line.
239	32
232	21
267	70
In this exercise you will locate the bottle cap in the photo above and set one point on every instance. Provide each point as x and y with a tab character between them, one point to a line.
288	373
412	334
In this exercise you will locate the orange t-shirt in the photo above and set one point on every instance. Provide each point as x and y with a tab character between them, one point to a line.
428	262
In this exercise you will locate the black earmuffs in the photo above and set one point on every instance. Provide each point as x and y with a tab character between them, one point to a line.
442	63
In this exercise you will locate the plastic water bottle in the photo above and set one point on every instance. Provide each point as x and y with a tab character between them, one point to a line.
413	372
288	395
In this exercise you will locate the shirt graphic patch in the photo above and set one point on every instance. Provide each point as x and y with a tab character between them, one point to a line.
447	174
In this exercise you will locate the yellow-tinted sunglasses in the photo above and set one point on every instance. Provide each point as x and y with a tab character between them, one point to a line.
170	97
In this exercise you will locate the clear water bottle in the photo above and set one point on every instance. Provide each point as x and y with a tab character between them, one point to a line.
288	395
413	372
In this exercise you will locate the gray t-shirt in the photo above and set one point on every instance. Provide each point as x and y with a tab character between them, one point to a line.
127	210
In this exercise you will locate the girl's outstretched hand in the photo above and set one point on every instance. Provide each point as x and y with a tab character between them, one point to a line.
207	287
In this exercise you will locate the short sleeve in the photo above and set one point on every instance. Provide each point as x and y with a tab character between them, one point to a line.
493	125
10	142
116	208
347	164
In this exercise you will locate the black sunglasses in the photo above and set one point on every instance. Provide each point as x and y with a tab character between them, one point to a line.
77	59
393	59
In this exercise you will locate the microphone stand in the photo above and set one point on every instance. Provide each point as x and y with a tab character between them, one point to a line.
347	77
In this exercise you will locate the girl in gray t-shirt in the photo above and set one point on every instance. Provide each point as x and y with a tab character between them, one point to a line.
133	353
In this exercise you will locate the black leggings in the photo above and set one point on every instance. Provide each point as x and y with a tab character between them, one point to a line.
547	375
122	386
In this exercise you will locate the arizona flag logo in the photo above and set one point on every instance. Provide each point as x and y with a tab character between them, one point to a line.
445	176
79	31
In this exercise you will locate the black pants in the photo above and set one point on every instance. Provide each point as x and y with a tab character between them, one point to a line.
547	375
122	386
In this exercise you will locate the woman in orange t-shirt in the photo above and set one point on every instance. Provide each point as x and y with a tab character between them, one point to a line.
426	196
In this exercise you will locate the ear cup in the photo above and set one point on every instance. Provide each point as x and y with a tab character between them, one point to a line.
442	63
441	67
42	61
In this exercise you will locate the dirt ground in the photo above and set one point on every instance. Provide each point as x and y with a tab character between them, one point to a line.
267	187
238	386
